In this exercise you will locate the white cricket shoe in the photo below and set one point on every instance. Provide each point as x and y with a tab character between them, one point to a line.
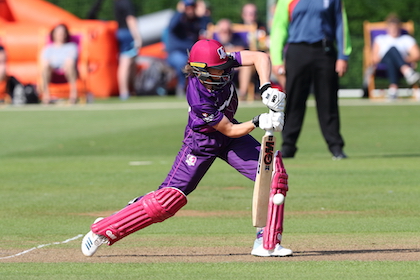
91	242
278	251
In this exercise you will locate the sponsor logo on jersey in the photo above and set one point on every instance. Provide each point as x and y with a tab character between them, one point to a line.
191	160
207	117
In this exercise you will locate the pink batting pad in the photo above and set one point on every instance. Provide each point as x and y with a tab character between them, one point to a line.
274	226
153	208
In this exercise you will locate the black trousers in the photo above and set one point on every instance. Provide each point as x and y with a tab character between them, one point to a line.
311	65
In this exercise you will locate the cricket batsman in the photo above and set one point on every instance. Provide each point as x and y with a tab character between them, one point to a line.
211	132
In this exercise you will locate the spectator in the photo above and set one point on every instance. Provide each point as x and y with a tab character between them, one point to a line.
232	43
398	52
129	41
311	28
203	11
184	30
61	55
250	16
11	90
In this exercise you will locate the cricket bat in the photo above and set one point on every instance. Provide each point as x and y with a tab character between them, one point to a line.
263	180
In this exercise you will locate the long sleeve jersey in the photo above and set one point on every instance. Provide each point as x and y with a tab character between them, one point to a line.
309	21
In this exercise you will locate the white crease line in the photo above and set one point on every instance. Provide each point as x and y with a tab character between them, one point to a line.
42	245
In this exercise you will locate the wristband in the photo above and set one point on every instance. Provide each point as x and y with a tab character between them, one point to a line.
264	87
256	121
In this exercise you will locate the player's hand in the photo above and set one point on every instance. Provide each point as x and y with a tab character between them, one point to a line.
277	119
264	121
272	98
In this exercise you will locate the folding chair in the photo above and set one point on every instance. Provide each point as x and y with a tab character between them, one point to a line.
370	72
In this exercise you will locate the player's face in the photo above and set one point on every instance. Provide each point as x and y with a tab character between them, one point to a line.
216	72
218	78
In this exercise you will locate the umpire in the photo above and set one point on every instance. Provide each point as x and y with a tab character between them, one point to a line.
313	36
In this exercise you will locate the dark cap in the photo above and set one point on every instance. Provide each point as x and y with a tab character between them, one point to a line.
189	2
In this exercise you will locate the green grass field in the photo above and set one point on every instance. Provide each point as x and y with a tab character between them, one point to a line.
60	167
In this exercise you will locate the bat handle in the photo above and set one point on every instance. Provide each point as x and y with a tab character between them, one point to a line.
270	131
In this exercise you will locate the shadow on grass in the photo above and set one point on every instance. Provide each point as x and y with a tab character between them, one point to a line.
389	156
296	253
350	252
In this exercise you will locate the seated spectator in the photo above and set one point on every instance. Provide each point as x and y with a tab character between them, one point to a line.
59	55
233	43
183	31
11	90
249	16
399	52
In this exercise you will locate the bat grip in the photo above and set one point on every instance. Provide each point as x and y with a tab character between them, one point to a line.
270	131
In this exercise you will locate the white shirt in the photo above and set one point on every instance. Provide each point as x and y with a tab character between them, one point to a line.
57	56
402	43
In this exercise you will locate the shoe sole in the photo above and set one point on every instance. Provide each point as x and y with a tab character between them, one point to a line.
258	252
87	242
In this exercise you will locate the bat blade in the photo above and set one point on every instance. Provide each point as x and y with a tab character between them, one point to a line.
263	180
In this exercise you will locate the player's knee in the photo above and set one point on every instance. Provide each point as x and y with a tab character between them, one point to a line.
163	203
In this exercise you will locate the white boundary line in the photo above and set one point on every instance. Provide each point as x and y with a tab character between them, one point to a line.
40	246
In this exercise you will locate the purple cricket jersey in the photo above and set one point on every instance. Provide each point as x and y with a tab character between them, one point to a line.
202	143
207	108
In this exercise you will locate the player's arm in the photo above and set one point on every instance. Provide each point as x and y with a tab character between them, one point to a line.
273	98
232	130
267	121
261	61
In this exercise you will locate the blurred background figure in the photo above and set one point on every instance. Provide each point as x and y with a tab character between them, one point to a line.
233	42
189	21
60	55
11	90
129	42
249	16
399	52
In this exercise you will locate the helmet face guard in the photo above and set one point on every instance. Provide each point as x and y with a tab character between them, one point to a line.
216	81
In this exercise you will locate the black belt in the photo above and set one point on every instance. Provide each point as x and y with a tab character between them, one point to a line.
316	44
325	44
